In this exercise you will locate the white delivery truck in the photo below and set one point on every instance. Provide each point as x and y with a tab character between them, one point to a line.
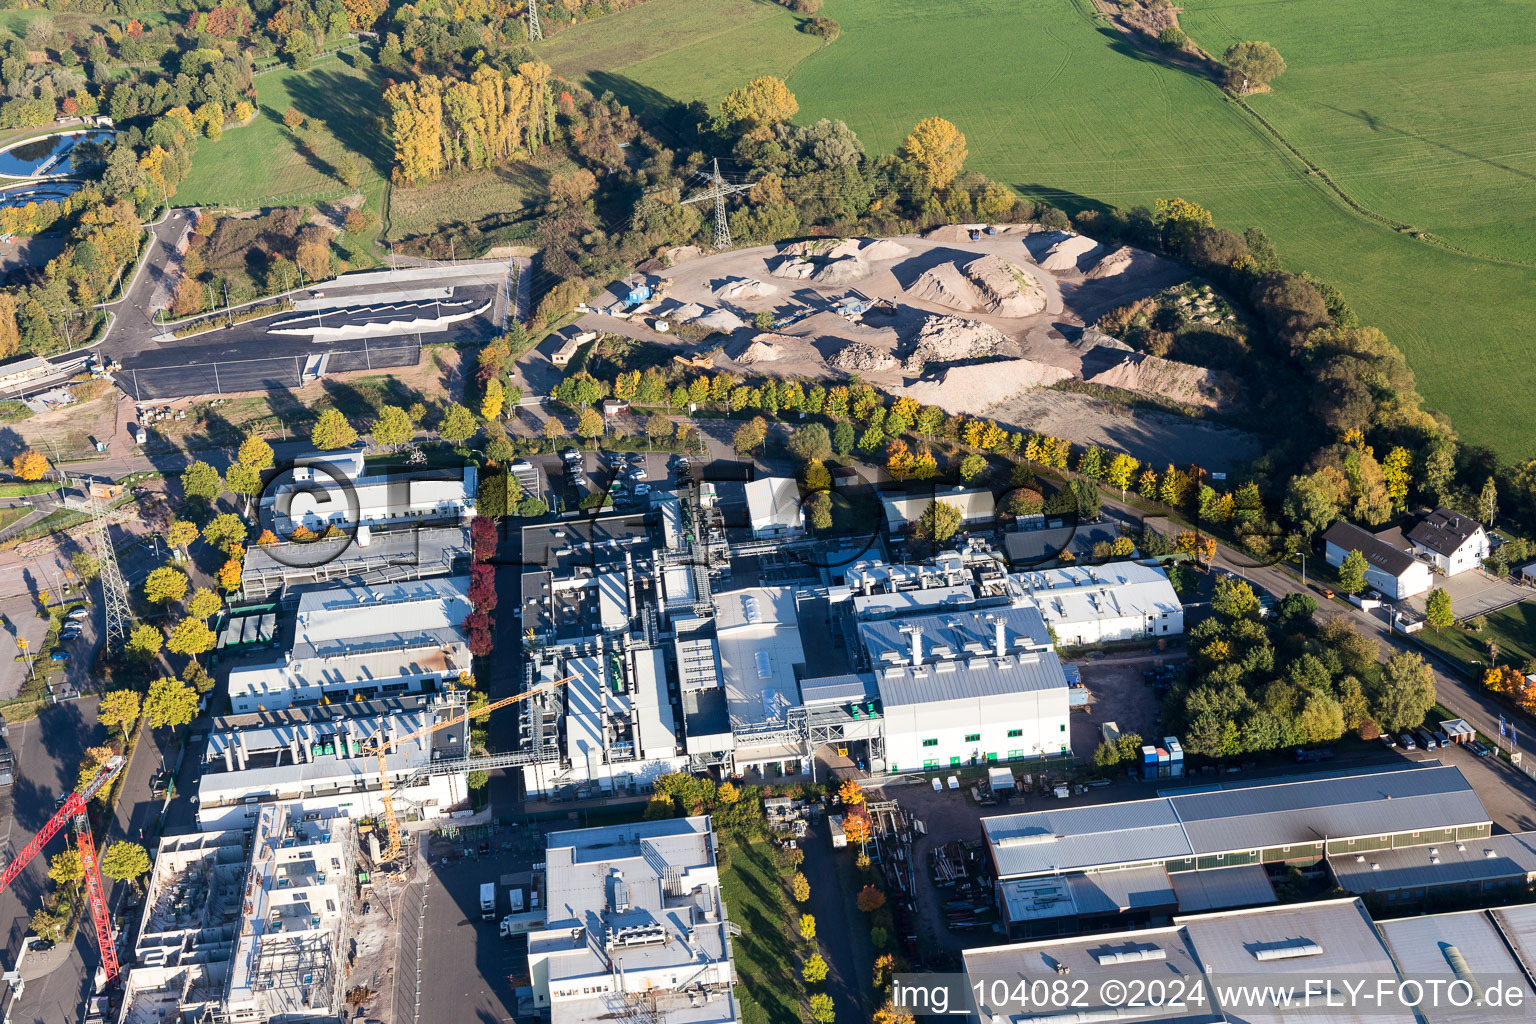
488	901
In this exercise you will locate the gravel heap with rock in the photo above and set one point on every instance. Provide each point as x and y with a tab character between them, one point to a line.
858	357
1181	382
747	288
987	284
949	339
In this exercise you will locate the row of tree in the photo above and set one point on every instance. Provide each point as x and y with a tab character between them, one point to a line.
447	125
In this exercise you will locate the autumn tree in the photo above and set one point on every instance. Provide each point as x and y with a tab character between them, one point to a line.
30	465
750	435
890	1013
66	869
204	603
191	637
165	585
118	708
815	970
144	643
754	109
808	927
937	149
332	431
822	1011
124	861
256	453
201	482
851	793
170	702
939	522
870	899
810	442
458	424
180	534
224	530
800	887
393	427
589	425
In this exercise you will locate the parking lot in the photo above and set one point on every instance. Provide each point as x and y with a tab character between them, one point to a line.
465	964
1473	593
1119	692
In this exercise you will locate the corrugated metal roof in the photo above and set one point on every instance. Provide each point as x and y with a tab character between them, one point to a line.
1315	809
1110	892
1081	837
1222	888
1278	814
1474	860
977	676
1419	945
837	689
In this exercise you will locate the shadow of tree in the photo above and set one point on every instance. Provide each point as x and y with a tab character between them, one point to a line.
349	107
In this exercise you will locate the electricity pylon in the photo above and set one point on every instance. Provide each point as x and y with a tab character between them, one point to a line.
114	591
534	31
717	191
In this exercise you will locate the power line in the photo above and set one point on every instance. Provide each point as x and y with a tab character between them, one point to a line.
535	32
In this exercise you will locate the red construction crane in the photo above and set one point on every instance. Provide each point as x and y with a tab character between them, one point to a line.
73	807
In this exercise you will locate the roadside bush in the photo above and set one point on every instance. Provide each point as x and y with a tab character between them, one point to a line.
822	26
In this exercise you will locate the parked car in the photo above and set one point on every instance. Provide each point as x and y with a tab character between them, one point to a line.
59	656
638	473
1425	739
1325	592
1306	754
1480	748
1440	737
78	614
642	489
1406	742
570	454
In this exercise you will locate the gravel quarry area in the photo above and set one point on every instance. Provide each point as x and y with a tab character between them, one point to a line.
973	325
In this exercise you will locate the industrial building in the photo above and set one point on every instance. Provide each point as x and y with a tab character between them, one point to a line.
977	505
1135	863
371	556
319	760
1497	867
246	926
356	642
773	506
324	489
635	927
1103	603
1326	942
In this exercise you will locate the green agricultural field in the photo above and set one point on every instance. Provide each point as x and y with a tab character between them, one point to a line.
262	164
507	193
681	50
1061	108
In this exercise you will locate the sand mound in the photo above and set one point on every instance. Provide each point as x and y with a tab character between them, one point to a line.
1119	261
684	313
857	357
948	339
845	270
721	320
952	232
884	249
764	348
846	247
796	268
977	387
1070	253
1182	382
682	254
987	284
746	288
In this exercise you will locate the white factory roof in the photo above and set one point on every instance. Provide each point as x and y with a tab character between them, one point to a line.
653	709
773	502
1329	941
1425	946
677	587
954	634
385	609
1114	590
612	600
758	639
874	606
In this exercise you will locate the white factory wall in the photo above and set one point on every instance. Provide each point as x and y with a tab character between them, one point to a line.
433	799
255	690
1124	627
1040	718
542	781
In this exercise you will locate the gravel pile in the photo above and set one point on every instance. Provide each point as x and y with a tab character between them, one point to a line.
979	386
857	357
748	288
987	284
949	339
1075	252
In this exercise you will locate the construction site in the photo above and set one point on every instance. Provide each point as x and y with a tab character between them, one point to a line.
970	318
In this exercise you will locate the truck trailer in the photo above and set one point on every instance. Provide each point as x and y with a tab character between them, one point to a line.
487	901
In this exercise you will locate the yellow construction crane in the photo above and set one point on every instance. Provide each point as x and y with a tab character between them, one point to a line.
382	747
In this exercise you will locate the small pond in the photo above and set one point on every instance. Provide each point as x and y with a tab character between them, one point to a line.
53	154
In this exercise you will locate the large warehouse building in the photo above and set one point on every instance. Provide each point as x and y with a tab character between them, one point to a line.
1064	870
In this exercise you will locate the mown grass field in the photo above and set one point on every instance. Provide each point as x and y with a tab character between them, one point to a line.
1421	111
1512	628
752	887
262	164
680	50
515	190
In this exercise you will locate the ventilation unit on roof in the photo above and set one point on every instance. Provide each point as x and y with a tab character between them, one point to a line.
1288	950
1133	955
1032	839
